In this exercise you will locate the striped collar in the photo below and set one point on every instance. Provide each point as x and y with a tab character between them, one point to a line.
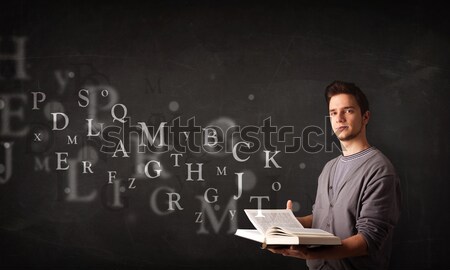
357	155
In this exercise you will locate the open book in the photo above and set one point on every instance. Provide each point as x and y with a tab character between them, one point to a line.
281	227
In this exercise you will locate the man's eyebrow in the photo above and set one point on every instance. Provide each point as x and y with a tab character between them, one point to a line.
348	107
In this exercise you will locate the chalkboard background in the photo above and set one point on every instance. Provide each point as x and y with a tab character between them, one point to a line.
221	64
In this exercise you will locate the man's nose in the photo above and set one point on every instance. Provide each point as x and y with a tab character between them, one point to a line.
340	117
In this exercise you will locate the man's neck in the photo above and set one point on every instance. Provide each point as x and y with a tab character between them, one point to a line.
354	146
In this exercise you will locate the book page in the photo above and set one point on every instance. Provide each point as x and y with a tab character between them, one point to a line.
312	232
263	219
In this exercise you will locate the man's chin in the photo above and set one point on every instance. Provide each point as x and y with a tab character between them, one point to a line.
345	138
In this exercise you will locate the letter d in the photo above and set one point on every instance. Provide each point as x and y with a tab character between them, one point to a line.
55	120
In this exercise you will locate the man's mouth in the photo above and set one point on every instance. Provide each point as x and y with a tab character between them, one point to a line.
340	129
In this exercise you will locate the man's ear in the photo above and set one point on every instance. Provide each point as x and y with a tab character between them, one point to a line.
366	117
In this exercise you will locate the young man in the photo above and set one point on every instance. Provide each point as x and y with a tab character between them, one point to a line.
358	193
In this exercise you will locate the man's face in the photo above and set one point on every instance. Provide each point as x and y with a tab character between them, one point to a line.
346	118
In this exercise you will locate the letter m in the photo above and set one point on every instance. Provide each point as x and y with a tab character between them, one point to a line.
152	139
72	140
223	171
40	164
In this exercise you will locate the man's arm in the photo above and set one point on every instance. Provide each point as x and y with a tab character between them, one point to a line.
352	246
306	221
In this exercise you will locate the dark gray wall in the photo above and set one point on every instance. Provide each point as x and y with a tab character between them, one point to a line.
235	62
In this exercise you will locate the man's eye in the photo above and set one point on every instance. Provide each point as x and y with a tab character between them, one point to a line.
349	111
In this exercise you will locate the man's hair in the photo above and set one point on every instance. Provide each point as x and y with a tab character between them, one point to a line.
340	87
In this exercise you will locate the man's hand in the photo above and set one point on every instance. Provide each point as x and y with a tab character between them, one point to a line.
300	252
352	246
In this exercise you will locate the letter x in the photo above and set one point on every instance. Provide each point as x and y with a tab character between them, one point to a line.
37	137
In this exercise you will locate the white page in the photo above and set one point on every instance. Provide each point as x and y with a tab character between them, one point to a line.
263	219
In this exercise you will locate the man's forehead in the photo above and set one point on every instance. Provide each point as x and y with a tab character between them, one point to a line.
343	101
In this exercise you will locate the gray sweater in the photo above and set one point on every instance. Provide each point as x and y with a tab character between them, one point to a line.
367	201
